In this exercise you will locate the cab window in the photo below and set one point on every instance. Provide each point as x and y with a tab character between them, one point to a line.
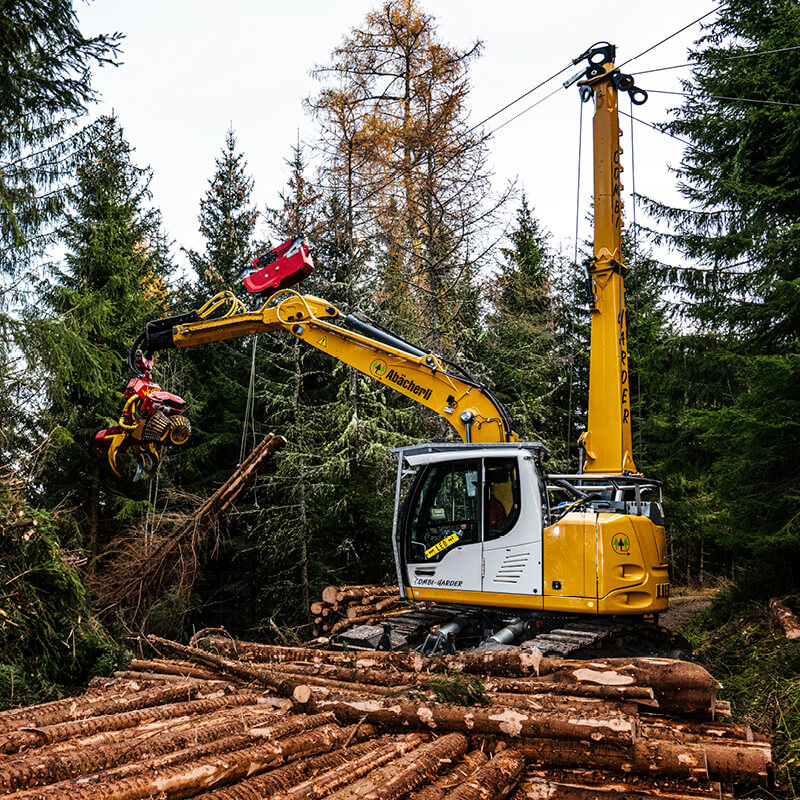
445	510
502	496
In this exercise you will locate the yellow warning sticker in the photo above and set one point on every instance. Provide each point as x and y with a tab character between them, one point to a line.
323	342
448	541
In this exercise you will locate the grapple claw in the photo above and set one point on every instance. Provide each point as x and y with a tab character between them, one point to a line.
150	418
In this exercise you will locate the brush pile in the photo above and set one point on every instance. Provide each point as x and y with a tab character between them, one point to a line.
230	720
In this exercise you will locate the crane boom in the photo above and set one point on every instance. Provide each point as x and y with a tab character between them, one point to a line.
475	414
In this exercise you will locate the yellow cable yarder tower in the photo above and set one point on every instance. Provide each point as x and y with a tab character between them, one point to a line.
606	443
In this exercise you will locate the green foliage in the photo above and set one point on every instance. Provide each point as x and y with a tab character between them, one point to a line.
733	418
759	669
167	617
227	222
519	345
331	494
215	378
89	313
49	641
460	689
44	87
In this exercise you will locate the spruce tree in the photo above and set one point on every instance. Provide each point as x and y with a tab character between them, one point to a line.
44	89
327	507
45	85
520	343
110	284
216	376
227	222
742	179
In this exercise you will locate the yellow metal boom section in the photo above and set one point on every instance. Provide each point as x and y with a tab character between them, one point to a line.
607	441
425	378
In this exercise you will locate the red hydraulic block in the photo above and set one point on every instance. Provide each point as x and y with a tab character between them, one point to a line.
282	267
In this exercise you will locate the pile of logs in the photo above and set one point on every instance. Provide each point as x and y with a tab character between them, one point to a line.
345	606
227	720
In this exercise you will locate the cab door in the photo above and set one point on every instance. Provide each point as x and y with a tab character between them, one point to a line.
512	531
443	524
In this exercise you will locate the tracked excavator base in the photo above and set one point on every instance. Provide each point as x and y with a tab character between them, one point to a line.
450	628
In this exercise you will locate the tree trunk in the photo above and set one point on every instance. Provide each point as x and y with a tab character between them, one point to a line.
453	777
305	592
350	771
493	780
599	724
93	514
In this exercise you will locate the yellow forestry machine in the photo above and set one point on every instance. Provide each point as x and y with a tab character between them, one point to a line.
508	553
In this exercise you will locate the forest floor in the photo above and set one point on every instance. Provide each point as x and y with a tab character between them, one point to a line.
744	648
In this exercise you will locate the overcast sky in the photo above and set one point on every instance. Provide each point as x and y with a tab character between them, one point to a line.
192	69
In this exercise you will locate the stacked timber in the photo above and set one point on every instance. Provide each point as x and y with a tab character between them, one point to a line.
229	720
343	607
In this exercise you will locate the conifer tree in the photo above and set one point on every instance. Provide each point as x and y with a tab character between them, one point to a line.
217	376
227	223
111	283
742	179
520	341
45	85
393	109
317	522
44	89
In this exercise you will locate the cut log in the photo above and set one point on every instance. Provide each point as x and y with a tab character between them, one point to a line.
41	768
368	619
16	740
276	654
293	725
192	777
694	762
356	611
346	594
495	779
453	777
78	708
643	695
537	788
280	782
161	667
427	763
785	618
283	684
348	773
599	724
390	781
679	686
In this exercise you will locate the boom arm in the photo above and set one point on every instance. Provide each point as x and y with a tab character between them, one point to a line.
467	405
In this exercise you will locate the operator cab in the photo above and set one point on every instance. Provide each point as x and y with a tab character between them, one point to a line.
471	522
483	525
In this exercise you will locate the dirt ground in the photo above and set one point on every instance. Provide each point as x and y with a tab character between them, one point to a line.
682	608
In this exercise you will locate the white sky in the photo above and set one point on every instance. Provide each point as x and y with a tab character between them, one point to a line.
191	69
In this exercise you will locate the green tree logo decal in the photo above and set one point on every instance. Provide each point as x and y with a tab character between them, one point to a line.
378	368
621	544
